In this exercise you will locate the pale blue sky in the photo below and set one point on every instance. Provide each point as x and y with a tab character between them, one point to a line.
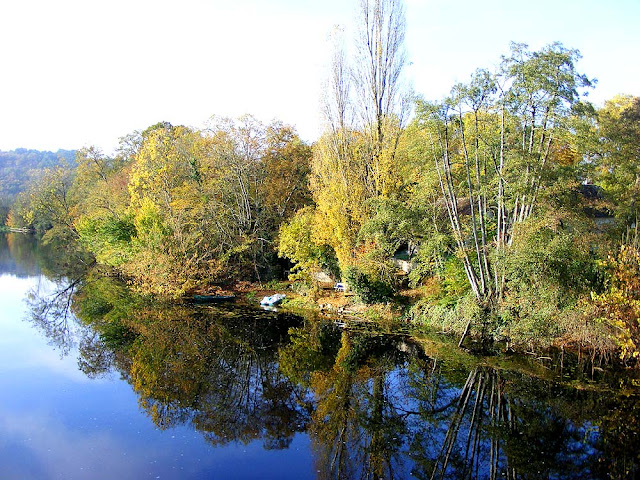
82	72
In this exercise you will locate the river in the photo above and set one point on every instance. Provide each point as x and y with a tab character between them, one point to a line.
97	383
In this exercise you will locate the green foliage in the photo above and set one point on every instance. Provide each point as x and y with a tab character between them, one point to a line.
109	239
554	251
548	270
47	203
429	259
276	285
454	280
447	317
366	286
391	225
296	241
616	156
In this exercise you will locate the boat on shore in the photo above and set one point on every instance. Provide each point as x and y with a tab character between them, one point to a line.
271	300
213	298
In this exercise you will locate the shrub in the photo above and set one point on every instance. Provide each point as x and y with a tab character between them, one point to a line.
619	306
367	288
450	319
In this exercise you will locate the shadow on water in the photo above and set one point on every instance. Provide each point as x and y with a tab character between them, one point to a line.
374	405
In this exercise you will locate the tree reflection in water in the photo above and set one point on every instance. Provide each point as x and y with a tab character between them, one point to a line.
51	314
374	405
485	433
50	302
356	429
384	410
217	371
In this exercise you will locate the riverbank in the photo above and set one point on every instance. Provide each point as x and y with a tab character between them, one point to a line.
323	300
420	309
591	341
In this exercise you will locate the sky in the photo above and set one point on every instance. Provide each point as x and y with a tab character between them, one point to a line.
77	73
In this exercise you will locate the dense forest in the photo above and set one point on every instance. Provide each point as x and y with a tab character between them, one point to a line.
20	167
511	204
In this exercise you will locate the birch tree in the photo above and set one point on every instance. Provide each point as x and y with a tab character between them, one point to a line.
492	141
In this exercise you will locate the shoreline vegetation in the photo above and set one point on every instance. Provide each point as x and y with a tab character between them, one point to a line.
506	212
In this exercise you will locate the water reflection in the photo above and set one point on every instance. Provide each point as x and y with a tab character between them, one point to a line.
213	369
17	255
217	372
50	312
374	405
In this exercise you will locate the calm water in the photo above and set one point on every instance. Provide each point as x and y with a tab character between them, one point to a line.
96	383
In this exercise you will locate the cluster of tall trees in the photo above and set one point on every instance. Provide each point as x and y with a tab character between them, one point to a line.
515	200
509	193
178	207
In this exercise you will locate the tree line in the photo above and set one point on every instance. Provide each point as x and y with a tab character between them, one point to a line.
177	207
513	198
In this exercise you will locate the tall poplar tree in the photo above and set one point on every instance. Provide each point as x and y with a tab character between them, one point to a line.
365	107
382	99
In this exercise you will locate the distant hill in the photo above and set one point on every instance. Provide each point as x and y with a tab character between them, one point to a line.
21	166
18	167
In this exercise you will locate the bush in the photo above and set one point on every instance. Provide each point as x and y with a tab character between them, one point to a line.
450	319
297	243
367	288
619	306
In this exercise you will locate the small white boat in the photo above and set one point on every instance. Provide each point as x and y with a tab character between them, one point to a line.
273	299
